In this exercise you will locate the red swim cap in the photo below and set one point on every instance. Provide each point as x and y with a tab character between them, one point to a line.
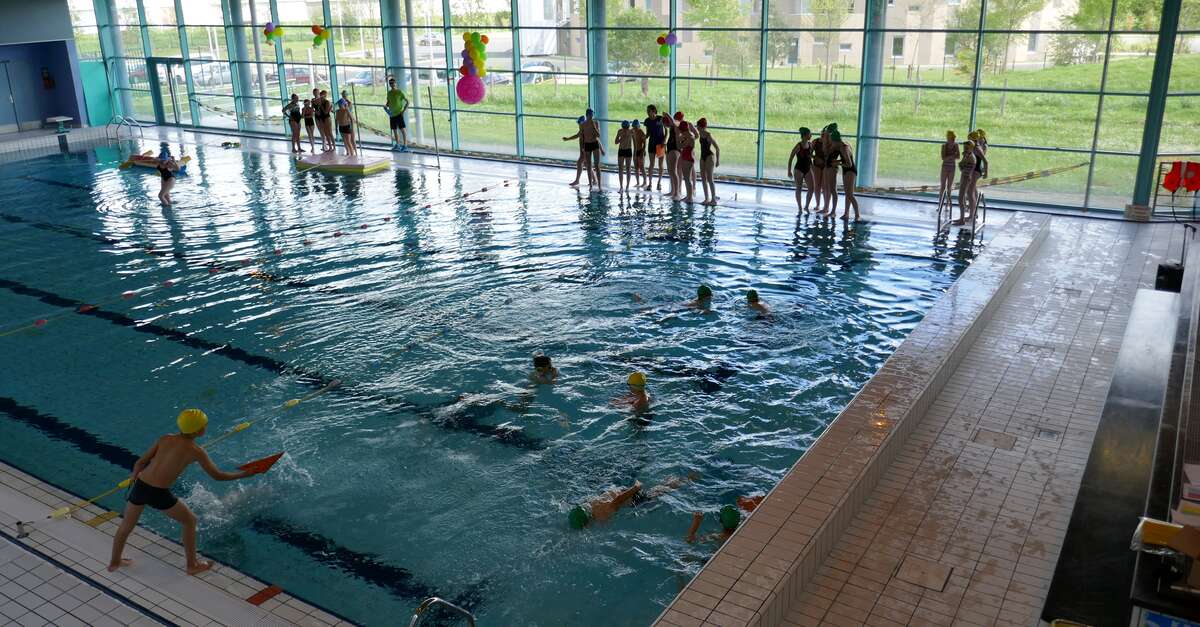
702	123
678	115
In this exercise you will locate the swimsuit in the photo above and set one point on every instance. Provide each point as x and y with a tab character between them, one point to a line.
672	142
294	115
344	129
804	158
950	154
967	165
308	121
818	156
686	154
165	173
832	159
978	161
625	152
849	168
322	112
654	130
706	152
143	493
591	146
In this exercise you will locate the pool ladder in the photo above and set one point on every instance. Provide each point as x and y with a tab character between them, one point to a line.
429	603
122	121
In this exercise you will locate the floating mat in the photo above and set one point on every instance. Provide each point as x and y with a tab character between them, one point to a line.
340	164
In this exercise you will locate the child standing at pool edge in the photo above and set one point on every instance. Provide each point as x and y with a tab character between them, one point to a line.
154	474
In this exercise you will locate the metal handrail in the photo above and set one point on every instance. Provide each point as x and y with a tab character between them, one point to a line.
122	121
428	604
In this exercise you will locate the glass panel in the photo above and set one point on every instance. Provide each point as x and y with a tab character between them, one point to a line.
83	12
1070	61
216	111
143	105
87	42
559	95
499	50
820	56
725	103
815	14
739	150
817	104
159	12
258	12
1039	15
1112	182
127	12
1131	65
634	52
924	113
907	163
137	74
264	79
346	13
481	15
1065	188
360	46
543	138
554	50
776	152
1121	123
207	43
428	47
1185	65
202	13
718	54
1038	119
487	133
1180	121
257	47
131	41
565	13
628	98
213	77
373	121
164	41
302	78
264	116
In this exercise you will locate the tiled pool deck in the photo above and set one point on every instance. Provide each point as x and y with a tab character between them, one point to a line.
939	496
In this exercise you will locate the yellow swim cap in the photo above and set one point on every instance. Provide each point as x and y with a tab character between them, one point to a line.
637	379
191	420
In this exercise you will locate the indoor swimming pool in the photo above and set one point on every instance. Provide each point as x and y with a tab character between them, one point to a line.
435	467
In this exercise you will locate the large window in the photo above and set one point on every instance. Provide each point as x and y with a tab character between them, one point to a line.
1058	85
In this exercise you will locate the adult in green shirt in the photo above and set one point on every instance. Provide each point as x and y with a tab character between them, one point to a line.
397	104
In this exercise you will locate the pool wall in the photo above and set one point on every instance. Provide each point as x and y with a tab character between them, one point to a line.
761	569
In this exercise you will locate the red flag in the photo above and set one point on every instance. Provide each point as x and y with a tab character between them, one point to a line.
1173	178
261	465
1191	176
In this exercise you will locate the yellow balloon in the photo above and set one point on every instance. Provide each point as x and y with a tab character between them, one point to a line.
467	37
482	71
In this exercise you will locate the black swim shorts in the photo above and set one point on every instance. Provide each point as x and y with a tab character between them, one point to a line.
591	146
397	121
143	493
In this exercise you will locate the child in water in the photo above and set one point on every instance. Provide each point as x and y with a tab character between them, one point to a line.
345	122
543	371
636	399
154	474
167	167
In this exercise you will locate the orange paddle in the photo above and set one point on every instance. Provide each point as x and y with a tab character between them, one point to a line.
261	465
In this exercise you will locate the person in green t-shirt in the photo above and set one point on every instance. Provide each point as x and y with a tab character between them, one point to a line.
397	104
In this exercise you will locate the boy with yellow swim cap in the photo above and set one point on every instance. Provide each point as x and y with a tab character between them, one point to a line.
154	474
636	399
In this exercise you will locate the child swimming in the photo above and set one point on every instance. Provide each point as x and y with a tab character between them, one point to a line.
154	474
544	371
636	399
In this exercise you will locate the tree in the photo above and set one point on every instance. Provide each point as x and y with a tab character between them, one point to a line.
632	50
1001	15
725	47
777	43
829	14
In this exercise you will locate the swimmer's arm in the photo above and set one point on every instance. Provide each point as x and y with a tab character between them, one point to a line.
144	460
575	136
716	149
209	467
621	499
697	518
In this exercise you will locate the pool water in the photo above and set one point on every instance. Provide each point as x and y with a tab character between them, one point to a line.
435	467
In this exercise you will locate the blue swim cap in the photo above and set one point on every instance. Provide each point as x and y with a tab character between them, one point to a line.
637	124
589	113
580	120
624	123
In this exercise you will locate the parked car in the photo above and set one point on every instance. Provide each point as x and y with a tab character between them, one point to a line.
362	78
211	74
536	72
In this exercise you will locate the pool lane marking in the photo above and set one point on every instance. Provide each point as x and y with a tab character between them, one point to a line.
317	547
55	183
211	266
510	436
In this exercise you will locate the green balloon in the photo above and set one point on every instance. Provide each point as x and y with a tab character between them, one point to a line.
475	36
730	517
577	517
664	50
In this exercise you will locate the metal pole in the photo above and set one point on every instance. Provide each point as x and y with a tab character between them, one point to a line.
518	100
447	38
357	126
1087	191
413	85
193	110
13	101
437	153
978	63
262	80
870	93
1167	31
279	69
330	53
762	88
673	64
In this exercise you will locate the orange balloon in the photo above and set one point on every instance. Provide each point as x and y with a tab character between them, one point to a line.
483	38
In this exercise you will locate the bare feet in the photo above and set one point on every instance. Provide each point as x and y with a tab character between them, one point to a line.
573	184
112	568
198	567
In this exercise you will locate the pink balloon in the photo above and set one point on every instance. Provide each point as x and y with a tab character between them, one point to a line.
470	89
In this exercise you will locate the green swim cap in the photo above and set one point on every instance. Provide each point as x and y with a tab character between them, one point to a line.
730	517
578	517
752	296
704	291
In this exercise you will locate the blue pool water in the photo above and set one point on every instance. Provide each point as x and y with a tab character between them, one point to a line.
435	468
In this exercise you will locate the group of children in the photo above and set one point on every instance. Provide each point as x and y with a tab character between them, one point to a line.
667	143
813	165
972	164
318	113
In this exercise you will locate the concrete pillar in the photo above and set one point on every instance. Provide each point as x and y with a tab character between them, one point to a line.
1168	29
243	85
598	63
870	96
393	52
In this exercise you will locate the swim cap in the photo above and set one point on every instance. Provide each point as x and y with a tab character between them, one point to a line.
678	116
832	127
730	517
577	517
804	130
702	122
624	123
580	120
637	124
950	135
982	133
191	420
752	296
973	135
835	135
589	113
683	126
704	291
541	361
637	379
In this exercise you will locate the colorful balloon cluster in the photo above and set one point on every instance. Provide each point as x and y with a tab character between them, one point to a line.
320	35
272	32
665	42
470	88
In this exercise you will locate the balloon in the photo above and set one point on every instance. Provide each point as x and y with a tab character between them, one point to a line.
482	56
484	39
316	30
482	72
661	40
270	25
470	89
475	37
466	55
466	36
317	41
664	50
462	70
474	71
671	39
278	31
